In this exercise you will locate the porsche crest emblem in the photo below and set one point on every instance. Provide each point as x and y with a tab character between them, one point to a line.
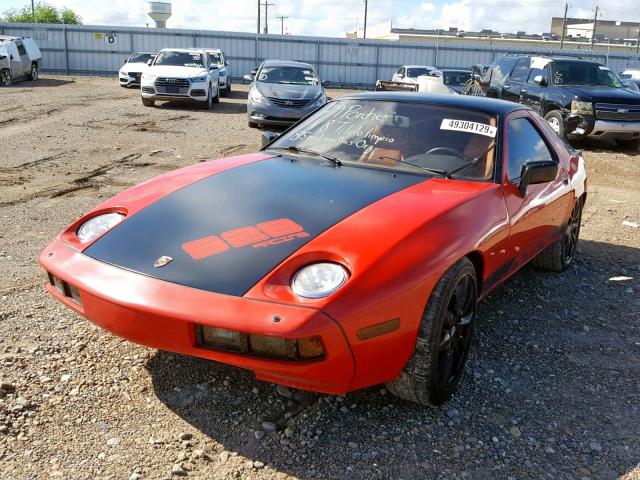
162	261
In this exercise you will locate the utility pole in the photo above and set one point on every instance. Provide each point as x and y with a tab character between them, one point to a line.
364	33
564	25
266	16
259	4
593	32
281	17
33	12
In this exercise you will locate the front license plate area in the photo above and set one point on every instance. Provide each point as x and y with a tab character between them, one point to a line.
172	89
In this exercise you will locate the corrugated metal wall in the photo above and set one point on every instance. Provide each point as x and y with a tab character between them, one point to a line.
85	49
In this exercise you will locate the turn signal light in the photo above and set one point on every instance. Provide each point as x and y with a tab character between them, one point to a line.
260	345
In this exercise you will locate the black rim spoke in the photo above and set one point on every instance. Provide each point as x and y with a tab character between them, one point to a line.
456	331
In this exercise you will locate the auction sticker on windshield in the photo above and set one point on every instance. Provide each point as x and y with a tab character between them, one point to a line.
470	127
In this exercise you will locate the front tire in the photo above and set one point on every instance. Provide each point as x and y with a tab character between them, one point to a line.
33	76
432	374
555	121
147	102
5	78
558	256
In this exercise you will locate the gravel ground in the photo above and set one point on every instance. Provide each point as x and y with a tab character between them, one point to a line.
551	389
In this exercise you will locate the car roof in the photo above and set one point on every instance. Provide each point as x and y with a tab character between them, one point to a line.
199	50
490	106
214	50
454	70
286	63
554	58
419	66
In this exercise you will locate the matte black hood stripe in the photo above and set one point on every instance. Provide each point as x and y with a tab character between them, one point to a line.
226	232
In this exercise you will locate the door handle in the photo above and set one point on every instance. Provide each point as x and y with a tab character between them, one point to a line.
565	178
524	90
506	87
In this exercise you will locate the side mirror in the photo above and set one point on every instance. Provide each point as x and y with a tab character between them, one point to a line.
149	62
126	60
226	63
540	80
249	78
326	83
268	137
401	75
537	172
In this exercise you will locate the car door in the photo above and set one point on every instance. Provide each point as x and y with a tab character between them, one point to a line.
535	218
15	62
533	92
511	89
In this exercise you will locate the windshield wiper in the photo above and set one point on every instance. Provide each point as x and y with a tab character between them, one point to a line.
473	161
293	148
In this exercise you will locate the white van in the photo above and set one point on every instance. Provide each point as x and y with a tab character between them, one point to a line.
20	59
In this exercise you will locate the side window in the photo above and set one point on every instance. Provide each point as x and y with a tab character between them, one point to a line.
501	69
525	145
535	72
21	49
521	70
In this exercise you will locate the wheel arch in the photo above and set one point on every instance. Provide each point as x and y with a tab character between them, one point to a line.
478	263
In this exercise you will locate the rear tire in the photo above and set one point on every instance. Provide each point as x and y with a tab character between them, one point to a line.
5	78
558	256
147	102
432	374
33	76
555	121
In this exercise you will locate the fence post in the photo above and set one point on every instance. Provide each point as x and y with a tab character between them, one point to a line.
131	40
66	50
194	40
318	59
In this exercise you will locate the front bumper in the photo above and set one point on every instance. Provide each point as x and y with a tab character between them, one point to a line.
163	315
273	115
591	127
195	92
128	81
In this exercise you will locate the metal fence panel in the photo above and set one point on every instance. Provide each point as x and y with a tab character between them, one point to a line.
101	50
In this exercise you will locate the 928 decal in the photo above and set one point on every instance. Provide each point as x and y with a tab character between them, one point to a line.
470	127
258	236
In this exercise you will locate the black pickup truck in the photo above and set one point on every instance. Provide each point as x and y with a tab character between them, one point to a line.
578	98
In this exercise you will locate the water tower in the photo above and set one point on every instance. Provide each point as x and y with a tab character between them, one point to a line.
159	12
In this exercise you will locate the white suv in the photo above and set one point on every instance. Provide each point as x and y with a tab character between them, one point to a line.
217	57
180	74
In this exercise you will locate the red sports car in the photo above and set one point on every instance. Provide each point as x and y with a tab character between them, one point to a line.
350	251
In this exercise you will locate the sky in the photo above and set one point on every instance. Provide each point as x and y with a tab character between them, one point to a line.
334	18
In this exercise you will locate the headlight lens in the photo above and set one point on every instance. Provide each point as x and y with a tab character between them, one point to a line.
581	108
93	228
319	280
147	77
222	73
199	79
256	96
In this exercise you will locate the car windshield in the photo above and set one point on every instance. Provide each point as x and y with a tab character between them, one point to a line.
139	57
456	78
215	58
291	75
417	71
582	73
179	59
399	135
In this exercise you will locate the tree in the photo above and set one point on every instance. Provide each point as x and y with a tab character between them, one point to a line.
43	13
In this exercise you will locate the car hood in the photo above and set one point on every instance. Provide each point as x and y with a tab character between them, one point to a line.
179	72
134	67
226	232
291	92
603	94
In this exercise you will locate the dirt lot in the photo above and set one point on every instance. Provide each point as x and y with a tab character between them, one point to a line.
552	387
